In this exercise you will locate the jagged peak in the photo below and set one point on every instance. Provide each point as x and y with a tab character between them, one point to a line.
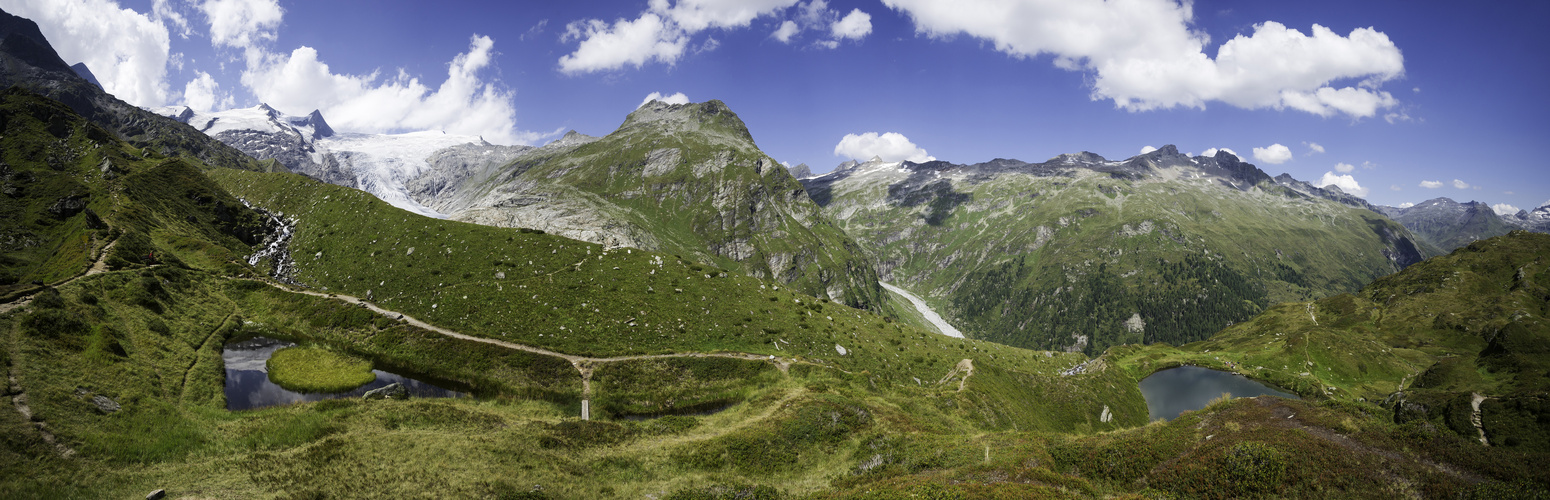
320	128
1082	157
84	72
875	159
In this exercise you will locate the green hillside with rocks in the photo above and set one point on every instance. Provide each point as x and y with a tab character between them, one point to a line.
682	179
1082	253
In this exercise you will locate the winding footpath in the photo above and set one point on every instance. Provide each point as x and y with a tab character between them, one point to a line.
19	400
583	364
98	267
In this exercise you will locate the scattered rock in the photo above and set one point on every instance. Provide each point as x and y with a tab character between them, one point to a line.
68	206
156	495
391	391
105	404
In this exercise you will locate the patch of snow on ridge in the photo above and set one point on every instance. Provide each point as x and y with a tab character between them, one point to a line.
383	163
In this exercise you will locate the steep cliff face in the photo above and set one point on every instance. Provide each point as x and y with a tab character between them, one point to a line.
27	60
685	179
1064	254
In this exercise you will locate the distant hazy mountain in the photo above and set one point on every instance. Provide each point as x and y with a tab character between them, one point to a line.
1449	224
1536	220
1080	252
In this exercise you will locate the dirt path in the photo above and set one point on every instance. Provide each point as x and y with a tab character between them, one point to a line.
97	267
583	364
964	369
1474	417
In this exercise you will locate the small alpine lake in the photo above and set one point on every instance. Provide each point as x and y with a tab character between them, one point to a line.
248	386
1186	388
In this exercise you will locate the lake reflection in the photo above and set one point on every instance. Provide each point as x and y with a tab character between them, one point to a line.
248	385
1186	388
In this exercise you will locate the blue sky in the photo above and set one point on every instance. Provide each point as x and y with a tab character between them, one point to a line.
1398	95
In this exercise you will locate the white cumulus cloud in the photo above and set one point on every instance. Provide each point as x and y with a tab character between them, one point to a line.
1274	154
625	42
855	25
1144	55
676	98
1431	184
1460	184
242	23
1147	149
1406	205
126	50
787	30
299	82
1313	147
661	33
1504	209
1346	183
1344	168
1212	152
890	146
203	94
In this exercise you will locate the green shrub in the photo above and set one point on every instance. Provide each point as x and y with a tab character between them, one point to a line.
1254	467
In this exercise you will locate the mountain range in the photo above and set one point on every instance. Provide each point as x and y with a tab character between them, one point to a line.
1082	253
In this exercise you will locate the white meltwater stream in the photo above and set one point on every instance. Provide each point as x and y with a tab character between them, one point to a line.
925	310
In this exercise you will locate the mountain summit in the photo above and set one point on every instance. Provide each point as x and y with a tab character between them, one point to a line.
677	178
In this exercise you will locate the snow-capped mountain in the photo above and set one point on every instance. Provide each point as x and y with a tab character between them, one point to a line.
381	164
1536	220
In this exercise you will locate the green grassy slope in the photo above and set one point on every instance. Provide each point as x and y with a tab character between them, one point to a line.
70	188
1470	322
689	180
1065	261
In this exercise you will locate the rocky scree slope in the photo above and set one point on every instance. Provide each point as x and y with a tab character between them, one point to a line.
1082	253
682	179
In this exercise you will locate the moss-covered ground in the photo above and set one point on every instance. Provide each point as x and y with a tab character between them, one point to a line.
315	369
